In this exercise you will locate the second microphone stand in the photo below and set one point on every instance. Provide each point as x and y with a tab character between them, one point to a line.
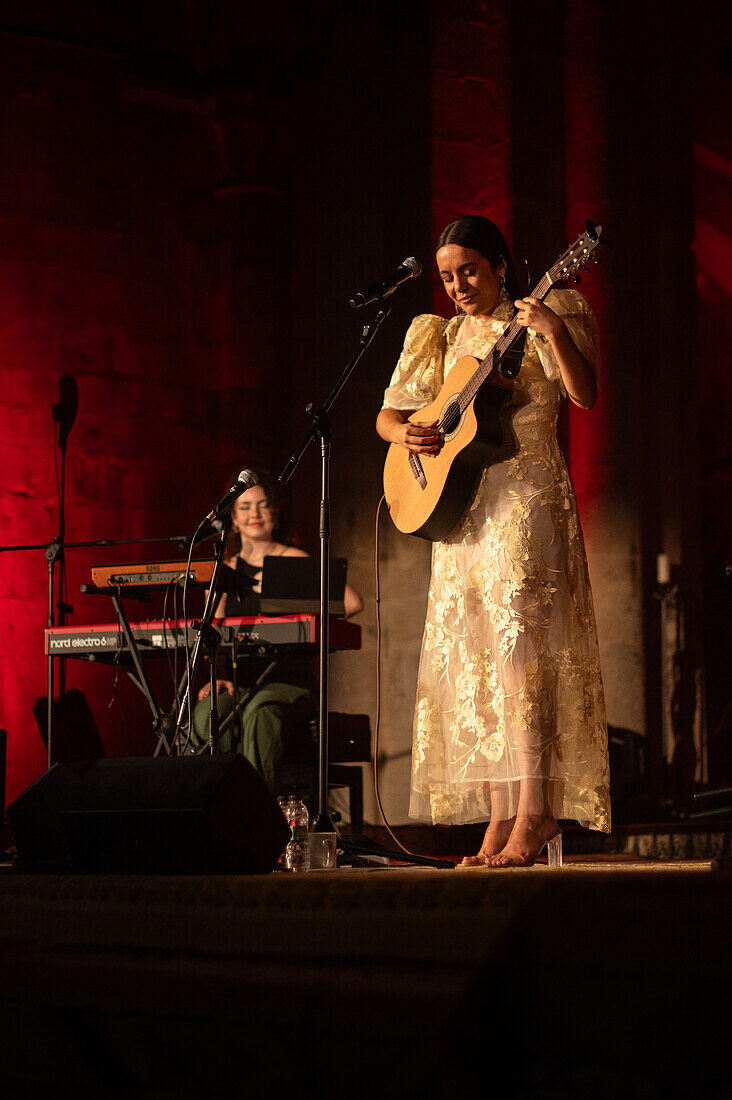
321	428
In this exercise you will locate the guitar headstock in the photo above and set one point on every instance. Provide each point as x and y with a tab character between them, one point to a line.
577	256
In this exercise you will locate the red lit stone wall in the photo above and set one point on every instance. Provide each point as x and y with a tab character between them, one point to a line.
471	118
126	264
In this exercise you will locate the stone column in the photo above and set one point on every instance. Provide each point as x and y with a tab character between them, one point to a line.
633	458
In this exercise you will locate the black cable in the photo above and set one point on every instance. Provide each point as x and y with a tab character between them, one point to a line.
378	686
176	657
116	697
170	652
189	732
64	589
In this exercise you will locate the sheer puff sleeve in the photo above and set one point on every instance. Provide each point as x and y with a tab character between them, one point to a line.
578	316
420	370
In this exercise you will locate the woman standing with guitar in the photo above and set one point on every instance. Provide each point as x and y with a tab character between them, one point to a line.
510	717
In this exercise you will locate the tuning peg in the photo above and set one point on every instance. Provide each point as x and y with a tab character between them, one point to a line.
597	260
578	278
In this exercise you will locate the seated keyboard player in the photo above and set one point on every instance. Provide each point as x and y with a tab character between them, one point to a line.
273	729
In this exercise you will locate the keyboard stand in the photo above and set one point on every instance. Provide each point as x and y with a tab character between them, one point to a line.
140	677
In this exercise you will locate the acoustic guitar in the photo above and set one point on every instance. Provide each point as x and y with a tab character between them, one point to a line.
427	496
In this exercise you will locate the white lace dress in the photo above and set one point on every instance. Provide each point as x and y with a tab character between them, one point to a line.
509	681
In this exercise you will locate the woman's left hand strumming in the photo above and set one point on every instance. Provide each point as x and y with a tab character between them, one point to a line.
532	313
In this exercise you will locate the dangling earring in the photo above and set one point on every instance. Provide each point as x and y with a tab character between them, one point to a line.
503	296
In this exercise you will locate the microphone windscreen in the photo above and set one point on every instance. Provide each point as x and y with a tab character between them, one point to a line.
248	477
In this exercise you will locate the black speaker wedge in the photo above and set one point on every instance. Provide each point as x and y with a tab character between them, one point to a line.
164	815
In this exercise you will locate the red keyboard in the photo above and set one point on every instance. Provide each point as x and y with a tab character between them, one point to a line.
248	633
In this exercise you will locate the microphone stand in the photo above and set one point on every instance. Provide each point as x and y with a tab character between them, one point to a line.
321	428
64	413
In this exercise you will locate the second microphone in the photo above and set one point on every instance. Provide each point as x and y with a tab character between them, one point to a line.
409	269
245	480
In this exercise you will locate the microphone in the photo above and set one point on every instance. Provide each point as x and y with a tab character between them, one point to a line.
245	480
409	269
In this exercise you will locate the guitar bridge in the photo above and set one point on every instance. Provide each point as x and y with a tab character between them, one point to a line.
416	465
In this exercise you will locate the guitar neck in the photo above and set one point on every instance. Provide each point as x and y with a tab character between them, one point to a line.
503	344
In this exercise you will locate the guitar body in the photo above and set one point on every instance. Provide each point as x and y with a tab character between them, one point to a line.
429	498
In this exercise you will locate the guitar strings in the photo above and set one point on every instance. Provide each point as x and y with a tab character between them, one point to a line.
501	346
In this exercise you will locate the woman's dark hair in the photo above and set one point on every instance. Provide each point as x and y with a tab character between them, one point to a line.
274	492
483	236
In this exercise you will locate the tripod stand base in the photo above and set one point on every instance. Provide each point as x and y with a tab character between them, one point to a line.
357	846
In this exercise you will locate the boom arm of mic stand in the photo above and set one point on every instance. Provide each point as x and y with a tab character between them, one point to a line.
367	336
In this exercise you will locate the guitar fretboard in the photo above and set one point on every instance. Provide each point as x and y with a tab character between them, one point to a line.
503	344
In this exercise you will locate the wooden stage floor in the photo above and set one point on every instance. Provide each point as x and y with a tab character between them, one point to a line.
609	977
609	863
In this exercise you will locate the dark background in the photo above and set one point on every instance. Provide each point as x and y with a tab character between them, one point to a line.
189	195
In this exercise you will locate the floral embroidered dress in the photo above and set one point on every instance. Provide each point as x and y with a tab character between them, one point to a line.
509	681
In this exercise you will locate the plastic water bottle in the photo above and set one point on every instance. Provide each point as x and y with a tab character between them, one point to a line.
297	853
282	803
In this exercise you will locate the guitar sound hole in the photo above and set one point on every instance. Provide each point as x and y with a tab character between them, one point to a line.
450	418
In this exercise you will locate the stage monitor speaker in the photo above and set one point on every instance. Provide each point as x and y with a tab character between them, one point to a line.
169	815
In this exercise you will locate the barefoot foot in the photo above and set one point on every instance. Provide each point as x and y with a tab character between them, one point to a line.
494	841
528	837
